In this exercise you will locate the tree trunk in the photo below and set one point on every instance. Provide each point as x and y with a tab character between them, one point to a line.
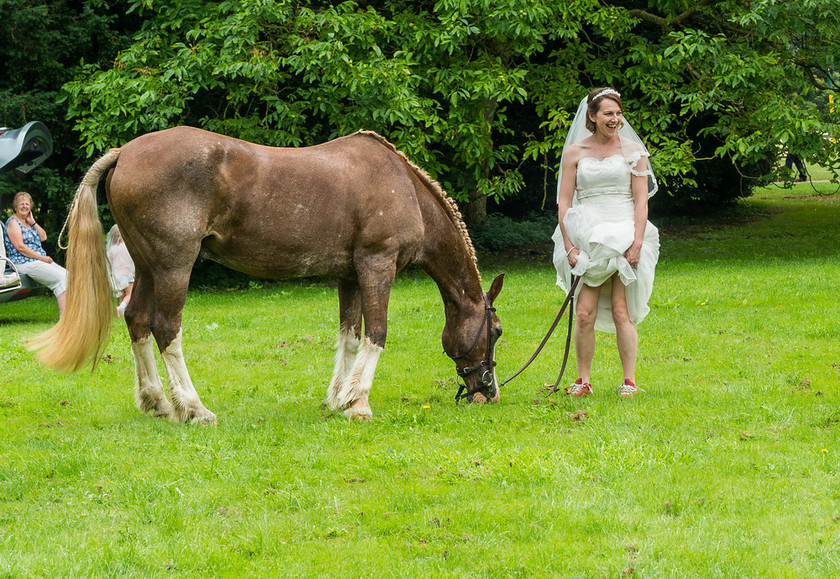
475	210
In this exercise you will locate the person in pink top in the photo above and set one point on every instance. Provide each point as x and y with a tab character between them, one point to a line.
122	269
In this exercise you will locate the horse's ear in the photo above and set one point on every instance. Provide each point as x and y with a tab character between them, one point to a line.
495	287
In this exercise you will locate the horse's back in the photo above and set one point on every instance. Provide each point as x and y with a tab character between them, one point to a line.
273	212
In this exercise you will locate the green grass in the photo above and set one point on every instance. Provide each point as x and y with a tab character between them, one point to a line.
815	173
818	173
727	466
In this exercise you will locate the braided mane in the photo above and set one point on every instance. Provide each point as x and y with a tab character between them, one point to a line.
448	204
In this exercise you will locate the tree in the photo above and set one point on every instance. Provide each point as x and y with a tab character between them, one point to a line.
714	86
41	43
436	82
475	90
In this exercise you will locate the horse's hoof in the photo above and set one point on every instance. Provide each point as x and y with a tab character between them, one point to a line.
157	407
205	418
358	414
162	409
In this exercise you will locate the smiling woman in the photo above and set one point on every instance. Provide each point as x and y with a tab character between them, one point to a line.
23	238
14	286
603	234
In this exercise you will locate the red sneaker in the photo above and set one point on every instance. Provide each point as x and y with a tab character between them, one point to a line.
628	388
579	388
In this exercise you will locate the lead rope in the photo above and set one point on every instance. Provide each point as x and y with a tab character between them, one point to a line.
567	303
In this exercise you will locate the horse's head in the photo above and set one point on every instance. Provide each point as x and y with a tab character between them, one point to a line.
472	346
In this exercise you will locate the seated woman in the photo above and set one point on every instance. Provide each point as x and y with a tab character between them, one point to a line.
23	245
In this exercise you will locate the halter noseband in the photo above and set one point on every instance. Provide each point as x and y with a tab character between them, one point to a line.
487	363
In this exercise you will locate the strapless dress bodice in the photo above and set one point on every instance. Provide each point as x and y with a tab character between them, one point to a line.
596	177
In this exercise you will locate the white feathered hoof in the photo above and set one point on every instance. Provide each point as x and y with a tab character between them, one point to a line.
201	417
207	419
359	410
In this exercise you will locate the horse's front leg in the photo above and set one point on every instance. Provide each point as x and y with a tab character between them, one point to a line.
354	394
375	280
349	340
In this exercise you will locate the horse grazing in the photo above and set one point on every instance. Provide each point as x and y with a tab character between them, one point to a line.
355	209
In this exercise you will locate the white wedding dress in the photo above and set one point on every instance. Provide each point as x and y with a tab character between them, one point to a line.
600	225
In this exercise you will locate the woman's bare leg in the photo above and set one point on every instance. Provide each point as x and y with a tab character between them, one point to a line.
627	338
586	309
59	299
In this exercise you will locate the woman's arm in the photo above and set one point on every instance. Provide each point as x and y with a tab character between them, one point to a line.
30	222
639	186
16	237
564	198
42	234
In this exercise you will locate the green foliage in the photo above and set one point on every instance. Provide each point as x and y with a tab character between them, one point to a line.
41	44
726	466
286	74
471	91
501	233
478	93
696	74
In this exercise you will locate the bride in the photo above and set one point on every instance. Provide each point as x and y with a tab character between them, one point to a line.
603	234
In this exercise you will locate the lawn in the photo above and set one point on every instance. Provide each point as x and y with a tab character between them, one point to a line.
727	466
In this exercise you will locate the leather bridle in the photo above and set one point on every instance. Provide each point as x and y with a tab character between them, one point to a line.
486	365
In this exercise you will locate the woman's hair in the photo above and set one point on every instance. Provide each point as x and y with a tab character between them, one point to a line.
593	103
114	236
19	196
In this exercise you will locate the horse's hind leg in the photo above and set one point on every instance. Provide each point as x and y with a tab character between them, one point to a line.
349	340
155	309
148	390
186	405
170	292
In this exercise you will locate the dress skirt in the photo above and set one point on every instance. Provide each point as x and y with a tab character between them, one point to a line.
601	227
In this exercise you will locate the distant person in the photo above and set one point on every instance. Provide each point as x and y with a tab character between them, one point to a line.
792	160
122	269
603	235
23	247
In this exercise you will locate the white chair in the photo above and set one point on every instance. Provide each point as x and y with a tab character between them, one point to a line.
9	277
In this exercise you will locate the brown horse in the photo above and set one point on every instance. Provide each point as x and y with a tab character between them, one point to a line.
354	209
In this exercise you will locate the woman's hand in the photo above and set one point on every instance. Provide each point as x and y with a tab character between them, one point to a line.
46	259
633	254
29	219
572	255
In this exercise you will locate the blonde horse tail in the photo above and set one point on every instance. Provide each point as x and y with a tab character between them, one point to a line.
82	331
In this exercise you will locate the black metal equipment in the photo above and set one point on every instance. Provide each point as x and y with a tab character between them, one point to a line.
25	148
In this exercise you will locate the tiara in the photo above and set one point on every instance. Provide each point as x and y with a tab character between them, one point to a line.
605	92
